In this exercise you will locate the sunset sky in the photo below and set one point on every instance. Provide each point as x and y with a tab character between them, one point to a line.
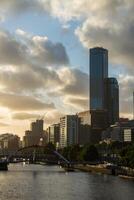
44	61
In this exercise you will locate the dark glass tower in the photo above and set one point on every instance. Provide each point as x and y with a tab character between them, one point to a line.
112	99
98	73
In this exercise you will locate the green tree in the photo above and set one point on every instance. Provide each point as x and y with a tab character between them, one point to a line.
127	156
89	153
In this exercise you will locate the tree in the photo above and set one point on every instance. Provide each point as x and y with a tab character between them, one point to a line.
89	153
127	156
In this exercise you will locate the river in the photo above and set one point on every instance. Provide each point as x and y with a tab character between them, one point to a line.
36	182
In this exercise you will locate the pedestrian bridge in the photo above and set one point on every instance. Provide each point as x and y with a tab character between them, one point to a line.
39	154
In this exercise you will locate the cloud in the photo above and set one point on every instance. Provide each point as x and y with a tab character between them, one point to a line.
81	103
34	63
28	50
64	10
17	7
74	83
53	117
3	124
104	23
78	83
29	63
18	102
44	51
49	117
32	70
12	52
117	38
29	79
24	116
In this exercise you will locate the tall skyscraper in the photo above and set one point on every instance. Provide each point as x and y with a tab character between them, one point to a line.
104	94
98	72
112	99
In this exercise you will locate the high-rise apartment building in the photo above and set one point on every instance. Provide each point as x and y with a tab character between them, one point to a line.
68	130
53	132
98	72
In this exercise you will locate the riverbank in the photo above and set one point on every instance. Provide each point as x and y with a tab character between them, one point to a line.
121	172
93	168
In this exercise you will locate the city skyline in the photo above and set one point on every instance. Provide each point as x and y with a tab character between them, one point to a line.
44	57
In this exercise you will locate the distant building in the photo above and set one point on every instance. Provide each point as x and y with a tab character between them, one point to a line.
84	127
54	134
37	127
122	132
27	139
36	135
112	100
85	117
68	130
99	123
9	143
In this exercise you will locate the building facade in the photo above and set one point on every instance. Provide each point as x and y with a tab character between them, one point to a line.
36	135
112	100
104	94
68	130
121	132
98	72
84	127
9	143
53	132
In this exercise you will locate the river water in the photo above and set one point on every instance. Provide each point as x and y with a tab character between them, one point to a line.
35	182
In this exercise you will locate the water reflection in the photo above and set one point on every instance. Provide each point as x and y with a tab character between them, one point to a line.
33	182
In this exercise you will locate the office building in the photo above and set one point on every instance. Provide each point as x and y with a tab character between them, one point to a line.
112	100
68	130
36	135
9	143
84	127
121	132
53	132
98	72
104	94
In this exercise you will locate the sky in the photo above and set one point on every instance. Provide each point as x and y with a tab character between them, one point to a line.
44	57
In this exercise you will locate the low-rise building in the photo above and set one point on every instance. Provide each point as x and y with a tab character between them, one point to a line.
9	143
122	131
